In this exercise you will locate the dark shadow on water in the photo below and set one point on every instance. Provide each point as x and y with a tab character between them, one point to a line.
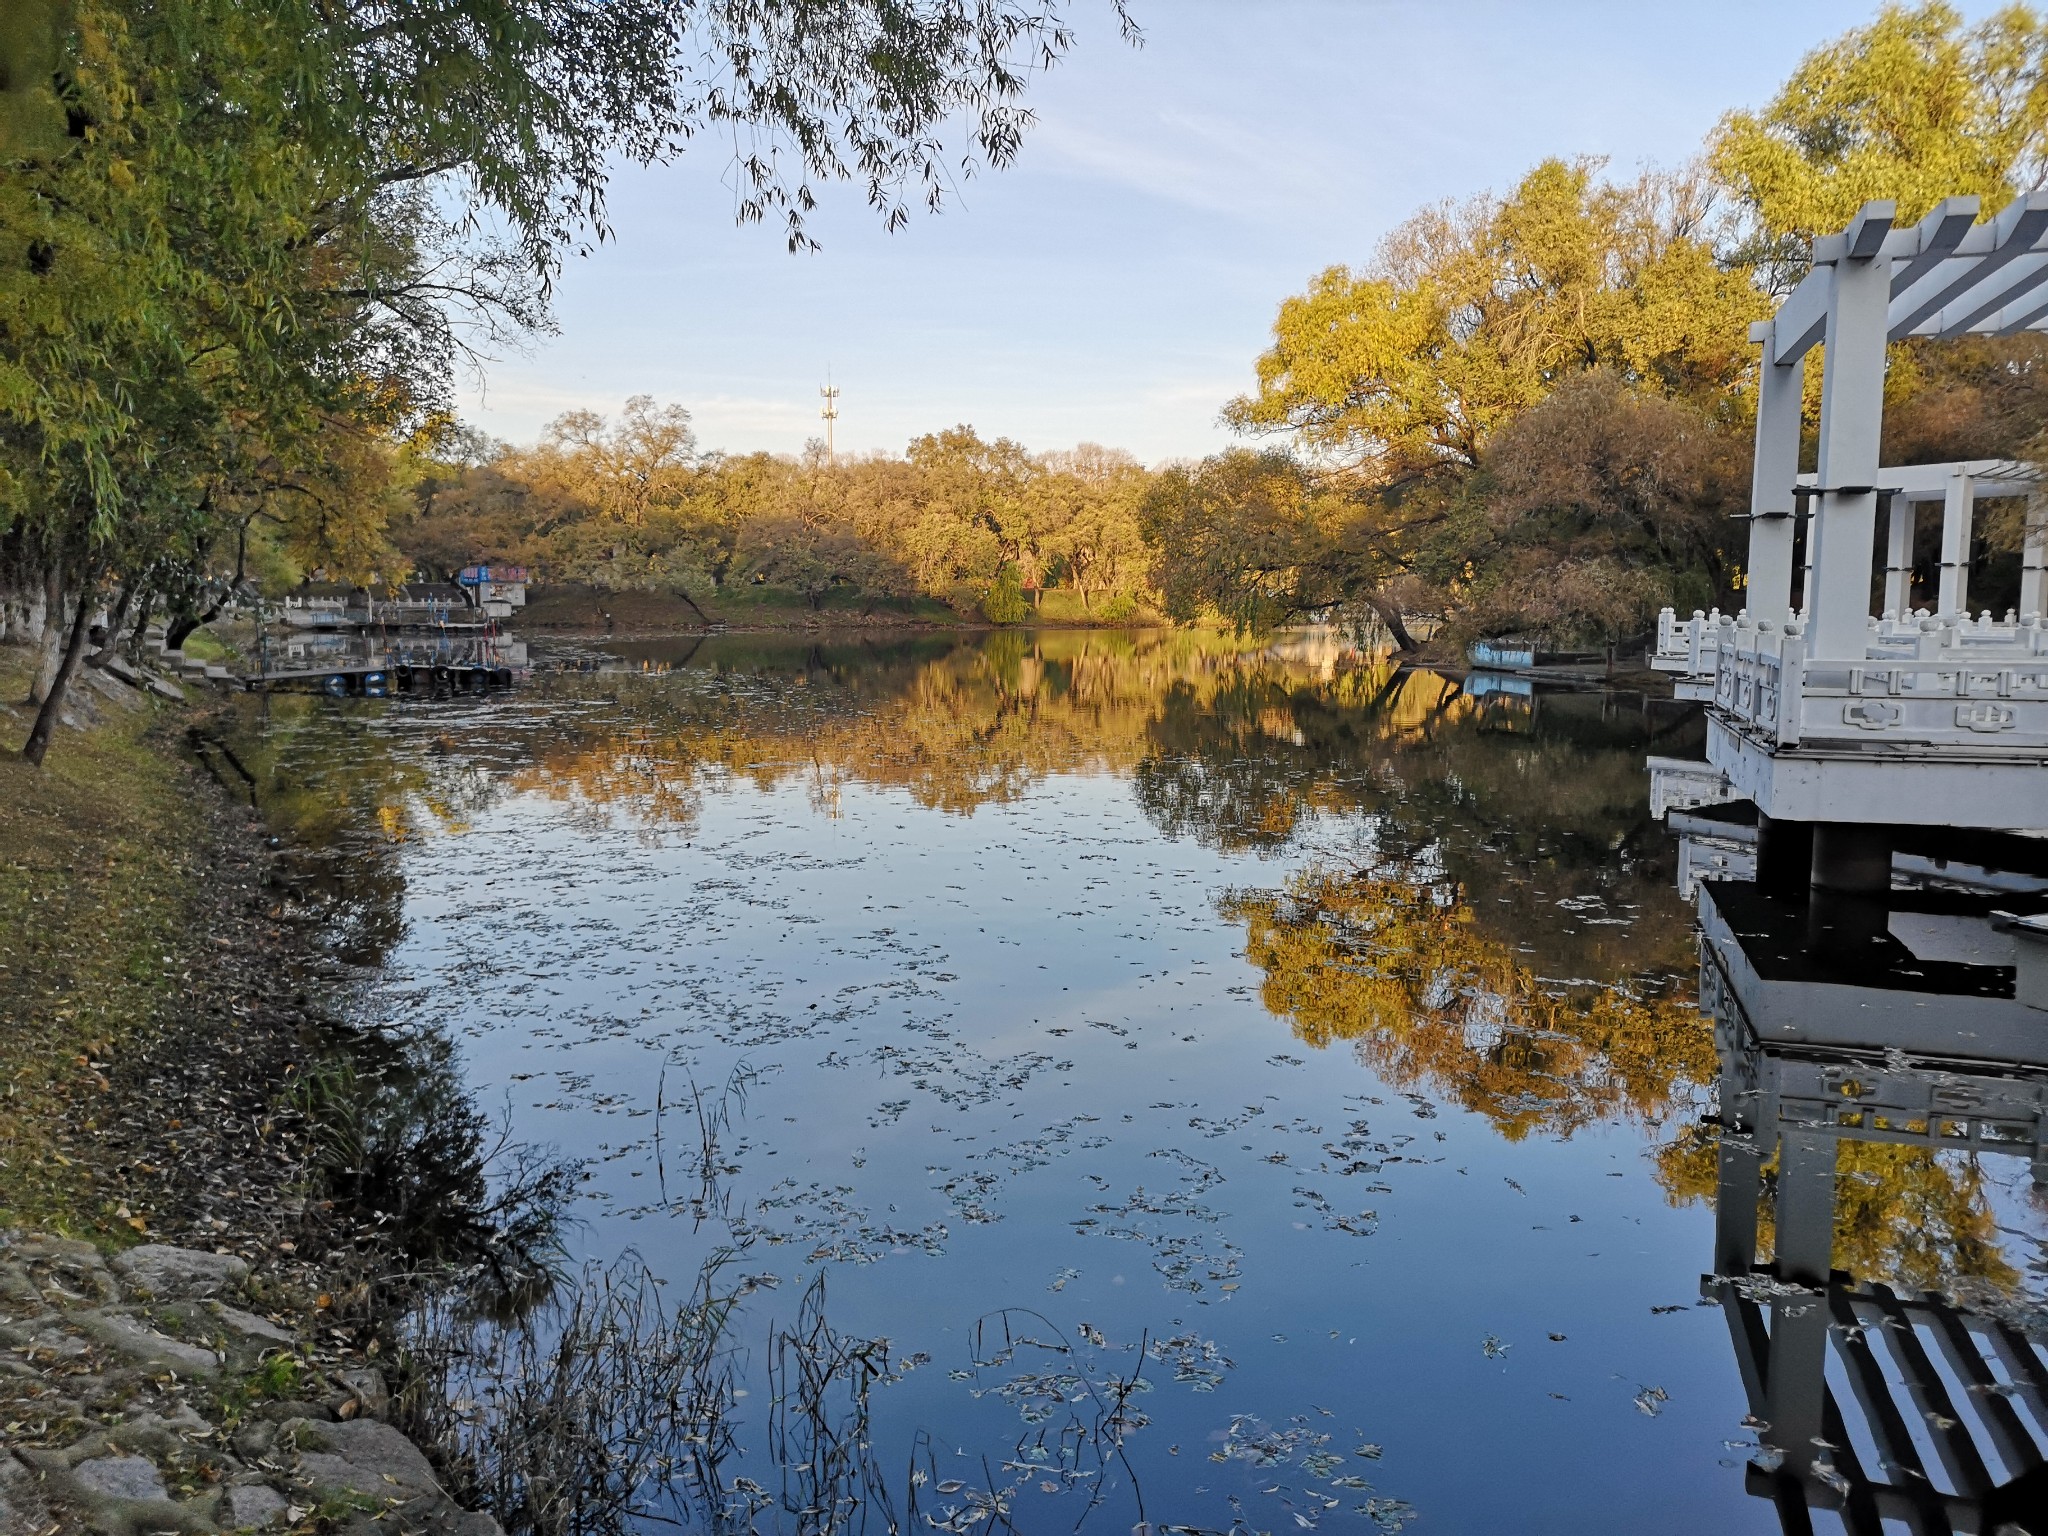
442	1201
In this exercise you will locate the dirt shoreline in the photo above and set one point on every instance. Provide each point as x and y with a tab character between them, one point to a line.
134	1397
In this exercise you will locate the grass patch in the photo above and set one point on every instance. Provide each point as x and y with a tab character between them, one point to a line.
204	645
98	852
1062	605
278	1379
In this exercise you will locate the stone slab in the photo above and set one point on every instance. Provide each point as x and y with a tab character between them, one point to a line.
364	1456
147	1347
121	1477
252	1507
168	1272
248	1325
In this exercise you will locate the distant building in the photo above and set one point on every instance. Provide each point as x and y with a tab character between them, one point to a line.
496	589
442	605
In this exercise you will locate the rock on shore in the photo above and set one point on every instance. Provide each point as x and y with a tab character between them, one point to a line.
138	1396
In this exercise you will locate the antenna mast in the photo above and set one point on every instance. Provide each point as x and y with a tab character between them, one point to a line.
831	414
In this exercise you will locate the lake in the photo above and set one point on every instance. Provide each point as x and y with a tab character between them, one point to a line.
1248	1087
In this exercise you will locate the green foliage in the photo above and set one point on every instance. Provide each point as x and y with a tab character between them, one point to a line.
1917	106
277	1379
234	286
1244	535
1004	602
1470	314
31	52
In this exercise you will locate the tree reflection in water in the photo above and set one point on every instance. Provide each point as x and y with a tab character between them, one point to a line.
1398	967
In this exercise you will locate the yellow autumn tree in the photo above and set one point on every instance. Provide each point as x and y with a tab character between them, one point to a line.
1916	107
1470	313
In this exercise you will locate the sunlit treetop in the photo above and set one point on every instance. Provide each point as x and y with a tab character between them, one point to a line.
1470	313
1917	106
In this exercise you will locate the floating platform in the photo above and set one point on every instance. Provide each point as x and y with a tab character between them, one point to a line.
379	680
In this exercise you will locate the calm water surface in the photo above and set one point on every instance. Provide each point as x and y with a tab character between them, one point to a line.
1315	1043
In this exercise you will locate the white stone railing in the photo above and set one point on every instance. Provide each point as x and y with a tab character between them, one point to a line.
1749	666
1690	647
1962	683
1679	641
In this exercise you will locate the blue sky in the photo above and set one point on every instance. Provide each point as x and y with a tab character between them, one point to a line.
1116	284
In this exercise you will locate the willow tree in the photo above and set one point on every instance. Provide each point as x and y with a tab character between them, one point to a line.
1250	537
1915	107
1470	313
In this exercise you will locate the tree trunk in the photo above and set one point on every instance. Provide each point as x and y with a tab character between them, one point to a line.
52	656
38	612
1390	615
176	630
73	652
142	614
115	620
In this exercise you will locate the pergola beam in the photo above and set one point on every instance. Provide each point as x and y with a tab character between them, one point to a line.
1950	276
2021	317
2013	234
1929	482
1977	307
1937	237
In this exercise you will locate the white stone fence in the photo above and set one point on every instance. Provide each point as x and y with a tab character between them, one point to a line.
1963	682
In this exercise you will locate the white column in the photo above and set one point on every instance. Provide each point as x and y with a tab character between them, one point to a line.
1781	389
1957	507
2034	557
1898	568
1844	533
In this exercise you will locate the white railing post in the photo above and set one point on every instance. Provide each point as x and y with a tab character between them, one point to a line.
1791	681
2034	557
1898	568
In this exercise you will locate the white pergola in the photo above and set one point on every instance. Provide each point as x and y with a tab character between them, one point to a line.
1956	488
1871	285
1824	711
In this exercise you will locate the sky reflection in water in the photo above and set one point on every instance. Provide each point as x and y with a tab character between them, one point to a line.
1320	1038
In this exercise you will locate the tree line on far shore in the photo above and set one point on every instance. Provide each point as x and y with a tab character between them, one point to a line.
245	243
629	504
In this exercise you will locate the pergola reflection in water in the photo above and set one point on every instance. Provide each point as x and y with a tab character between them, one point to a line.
1898	1022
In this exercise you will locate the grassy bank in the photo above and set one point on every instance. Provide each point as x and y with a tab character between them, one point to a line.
97	934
